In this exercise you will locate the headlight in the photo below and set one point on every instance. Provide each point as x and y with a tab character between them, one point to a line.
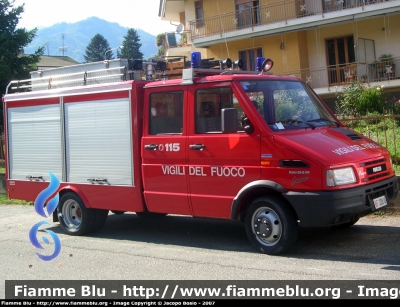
340	176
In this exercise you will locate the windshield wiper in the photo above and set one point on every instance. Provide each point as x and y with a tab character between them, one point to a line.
324	120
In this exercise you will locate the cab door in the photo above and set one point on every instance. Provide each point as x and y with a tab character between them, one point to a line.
164	152
219	165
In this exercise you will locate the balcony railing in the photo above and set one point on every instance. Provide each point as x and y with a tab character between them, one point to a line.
337	75
278	12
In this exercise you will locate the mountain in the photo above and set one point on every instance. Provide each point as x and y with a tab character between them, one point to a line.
76	36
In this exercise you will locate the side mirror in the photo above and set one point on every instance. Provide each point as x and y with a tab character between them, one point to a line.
247	126
229	120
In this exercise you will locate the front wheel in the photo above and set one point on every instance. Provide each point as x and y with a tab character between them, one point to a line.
271	225
75	219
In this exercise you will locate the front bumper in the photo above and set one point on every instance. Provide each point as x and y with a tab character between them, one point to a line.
324	209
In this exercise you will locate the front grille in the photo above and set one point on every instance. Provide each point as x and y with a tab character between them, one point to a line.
373	162
375	169
376	177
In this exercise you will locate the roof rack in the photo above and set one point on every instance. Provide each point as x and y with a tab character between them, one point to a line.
133	69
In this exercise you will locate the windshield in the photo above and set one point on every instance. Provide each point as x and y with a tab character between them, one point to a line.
287	104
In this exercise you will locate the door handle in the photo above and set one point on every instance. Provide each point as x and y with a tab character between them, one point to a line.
151	147
197	146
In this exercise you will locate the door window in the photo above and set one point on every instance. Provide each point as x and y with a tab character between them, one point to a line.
209	105
166	114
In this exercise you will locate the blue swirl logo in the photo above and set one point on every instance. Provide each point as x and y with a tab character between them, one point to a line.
46	210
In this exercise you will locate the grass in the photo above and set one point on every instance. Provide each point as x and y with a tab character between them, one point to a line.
5	201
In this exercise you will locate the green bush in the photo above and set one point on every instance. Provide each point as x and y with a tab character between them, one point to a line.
371	100
348	100
358	99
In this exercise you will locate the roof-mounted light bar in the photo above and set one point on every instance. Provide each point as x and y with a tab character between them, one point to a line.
226	67
264	65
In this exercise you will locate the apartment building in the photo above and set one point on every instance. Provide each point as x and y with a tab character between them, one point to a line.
325	42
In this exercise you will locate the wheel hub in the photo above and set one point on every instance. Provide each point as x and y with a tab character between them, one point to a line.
263	227
266	226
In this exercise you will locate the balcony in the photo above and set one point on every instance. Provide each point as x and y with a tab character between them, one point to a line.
283	16
176	40
373	73
175	44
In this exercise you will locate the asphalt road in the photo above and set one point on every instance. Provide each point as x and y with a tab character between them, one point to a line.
185	248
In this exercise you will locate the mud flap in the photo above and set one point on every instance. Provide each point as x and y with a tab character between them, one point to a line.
55	216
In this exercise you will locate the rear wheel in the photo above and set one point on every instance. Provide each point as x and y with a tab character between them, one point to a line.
75	219
271	225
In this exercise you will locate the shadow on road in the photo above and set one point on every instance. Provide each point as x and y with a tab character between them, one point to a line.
359	243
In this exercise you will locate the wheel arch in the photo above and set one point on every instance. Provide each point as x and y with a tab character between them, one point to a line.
68	189
251	191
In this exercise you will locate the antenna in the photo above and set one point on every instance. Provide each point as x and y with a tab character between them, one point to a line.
63	48
223	31
180	28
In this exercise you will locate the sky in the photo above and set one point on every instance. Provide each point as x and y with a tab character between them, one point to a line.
137	14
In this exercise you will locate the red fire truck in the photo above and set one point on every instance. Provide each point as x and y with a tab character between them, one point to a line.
218	142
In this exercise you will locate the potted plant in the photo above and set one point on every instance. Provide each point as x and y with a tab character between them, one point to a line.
386	59
184	39
388	66
364	78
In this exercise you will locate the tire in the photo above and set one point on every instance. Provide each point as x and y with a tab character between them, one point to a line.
75	219
277	222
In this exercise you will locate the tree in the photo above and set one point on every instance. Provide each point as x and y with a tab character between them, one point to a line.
130	46
160	43
96	50
14	64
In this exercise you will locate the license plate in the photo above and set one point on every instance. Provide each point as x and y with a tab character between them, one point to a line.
380	202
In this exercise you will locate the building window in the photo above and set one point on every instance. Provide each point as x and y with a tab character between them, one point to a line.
340	54
199	13
247	13
249	58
